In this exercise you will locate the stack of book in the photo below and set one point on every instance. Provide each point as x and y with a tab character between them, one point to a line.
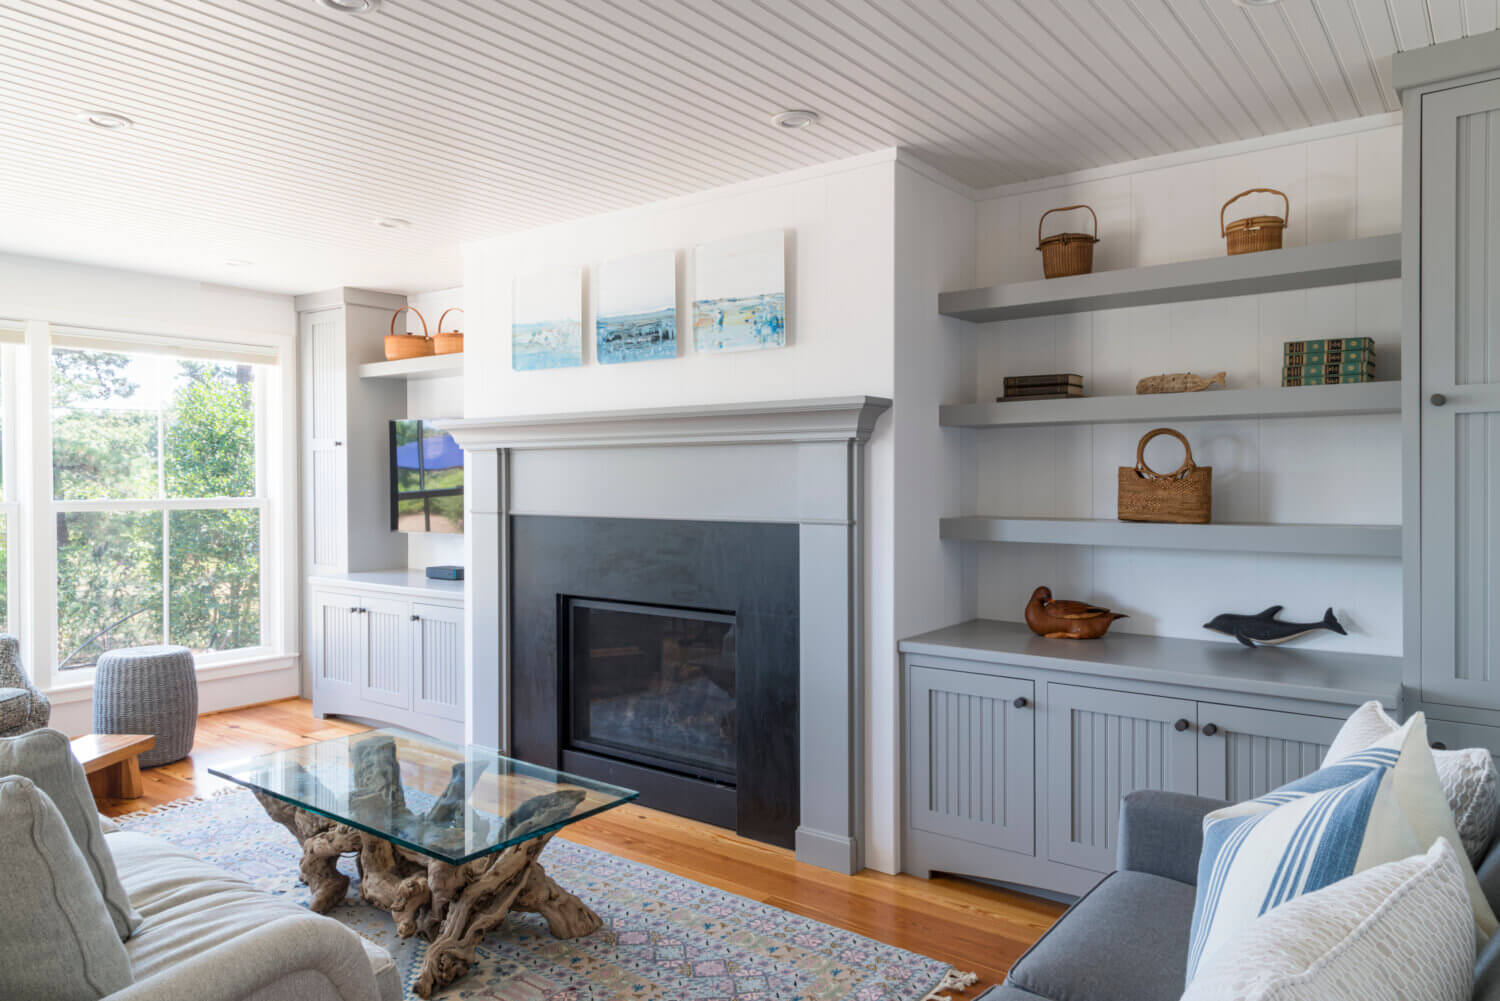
1042	387
1328	362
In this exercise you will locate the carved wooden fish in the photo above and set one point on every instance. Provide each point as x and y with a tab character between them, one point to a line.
1267	629
1177	382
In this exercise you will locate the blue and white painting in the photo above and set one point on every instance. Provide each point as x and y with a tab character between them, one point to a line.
637	318
546	328
739	293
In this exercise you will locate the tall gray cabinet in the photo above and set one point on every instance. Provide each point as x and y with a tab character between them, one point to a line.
1451	296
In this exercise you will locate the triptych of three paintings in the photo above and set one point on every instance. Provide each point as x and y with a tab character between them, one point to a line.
739	304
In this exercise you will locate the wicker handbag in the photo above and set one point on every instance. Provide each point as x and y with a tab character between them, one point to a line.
1256	232
1184	497
400	346
1066	254
448	342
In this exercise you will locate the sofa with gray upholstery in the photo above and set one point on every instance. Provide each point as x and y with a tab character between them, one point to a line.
23	707
1127	938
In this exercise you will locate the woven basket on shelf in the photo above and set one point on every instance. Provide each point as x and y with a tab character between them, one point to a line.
1184	497
1256	232
1066	254
399	346
448	342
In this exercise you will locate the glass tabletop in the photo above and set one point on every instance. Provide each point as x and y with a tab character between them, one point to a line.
447	801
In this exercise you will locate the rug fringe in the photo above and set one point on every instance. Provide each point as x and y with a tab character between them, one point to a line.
176	804
953	980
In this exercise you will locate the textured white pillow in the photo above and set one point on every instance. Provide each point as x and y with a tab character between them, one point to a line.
1402	931
1379	805
1468	776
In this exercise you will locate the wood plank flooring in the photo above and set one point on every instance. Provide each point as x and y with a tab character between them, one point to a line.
972	926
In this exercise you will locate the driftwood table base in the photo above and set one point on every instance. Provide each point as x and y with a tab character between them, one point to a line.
452	907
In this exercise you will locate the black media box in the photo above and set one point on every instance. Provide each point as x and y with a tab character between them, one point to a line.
445	573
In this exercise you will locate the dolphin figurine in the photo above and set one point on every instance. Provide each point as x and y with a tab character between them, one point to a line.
1267	629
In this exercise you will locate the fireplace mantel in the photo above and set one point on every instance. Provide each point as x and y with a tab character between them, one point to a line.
796	462
843	418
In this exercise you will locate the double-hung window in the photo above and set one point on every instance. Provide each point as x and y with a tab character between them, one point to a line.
159	496
12	333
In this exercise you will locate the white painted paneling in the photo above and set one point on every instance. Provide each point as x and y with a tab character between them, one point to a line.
438	660
1336	470
276	131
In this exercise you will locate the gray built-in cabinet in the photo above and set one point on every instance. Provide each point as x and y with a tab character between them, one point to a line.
381	644
1018	752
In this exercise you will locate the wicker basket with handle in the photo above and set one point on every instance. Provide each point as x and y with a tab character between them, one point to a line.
1066	254
1256	232
399	346
1183	497
448	342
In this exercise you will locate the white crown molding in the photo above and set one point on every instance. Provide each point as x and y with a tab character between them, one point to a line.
845	418
1328	130
346	296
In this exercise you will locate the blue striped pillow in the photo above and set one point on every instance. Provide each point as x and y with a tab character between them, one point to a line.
1380	805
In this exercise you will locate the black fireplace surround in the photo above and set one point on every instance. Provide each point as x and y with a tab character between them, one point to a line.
663	656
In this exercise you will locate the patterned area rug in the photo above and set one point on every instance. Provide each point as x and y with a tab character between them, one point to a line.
664	937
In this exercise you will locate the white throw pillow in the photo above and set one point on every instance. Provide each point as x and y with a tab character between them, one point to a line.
1382	804
57	940
1468	776
1402	931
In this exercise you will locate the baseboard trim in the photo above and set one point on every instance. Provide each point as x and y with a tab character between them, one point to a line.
828	851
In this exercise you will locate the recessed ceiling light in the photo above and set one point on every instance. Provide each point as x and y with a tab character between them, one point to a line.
351	6
390	222
105	119
236	262
795	119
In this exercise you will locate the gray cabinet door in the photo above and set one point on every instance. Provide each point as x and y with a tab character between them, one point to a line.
437	660
1460	396
1244	753
1101	745
387	667
338	645
971	759
326	472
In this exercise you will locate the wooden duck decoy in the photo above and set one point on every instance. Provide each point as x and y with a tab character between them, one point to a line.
1068	620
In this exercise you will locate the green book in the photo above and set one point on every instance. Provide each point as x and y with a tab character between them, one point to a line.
1331	358
1324	380
1332	368
1331	344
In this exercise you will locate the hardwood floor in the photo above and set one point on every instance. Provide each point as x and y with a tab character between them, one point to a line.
972	926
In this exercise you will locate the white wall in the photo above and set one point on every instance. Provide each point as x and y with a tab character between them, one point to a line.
1289	470
80	295
429	399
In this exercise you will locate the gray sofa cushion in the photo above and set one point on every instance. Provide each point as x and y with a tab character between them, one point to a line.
46	758
58	941
189	907
1126	940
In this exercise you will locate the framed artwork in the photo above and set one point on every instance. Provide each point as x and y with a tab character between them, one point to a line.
739	293
637	316
547	320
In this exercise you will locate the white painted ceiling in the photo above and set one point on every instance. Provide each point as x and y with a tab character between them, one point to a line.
275	131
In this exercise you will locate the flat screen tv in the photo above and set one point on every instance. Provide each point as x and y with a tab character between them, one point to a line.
427	479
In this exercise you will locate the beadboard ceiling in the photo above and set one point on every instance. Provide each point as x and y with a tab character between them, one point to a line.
275	131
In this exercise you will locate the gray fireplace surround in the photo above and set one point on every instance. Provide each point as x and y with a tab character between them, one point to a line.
796	462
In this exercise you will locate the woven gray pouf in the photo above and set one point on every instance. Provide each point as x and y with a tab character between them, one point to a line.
149	689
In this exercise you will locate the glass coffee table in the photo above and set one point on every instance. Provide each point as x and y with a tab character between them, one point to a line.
446	837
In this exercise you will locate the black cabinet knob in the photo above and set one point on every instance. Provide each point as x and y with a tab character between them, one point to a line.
1438	745
1181	725
1209	729
1021	702
1438	399
416	618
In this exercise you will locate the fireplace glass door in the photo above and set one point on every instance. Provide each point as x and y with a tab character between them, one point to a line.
651	684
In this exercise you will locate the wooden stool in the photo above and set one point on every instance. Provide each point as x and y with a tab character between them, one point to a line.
112	763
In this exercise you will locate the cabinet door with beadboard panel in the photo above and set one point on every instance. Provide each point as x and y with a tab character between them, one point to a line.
972	757
1244	753
1460	396
323	408
437	658
337	648
1101	745
387	677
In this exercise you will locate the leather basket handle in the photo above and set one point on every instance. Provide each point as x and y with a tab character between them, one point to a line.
1065	208
425	334
450	309
1286	216
1188	465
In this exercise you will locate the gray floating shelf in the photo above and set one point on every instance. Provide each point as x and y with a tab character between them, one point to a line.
1317	675
1366	260
429	367
1321	540
1226	405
